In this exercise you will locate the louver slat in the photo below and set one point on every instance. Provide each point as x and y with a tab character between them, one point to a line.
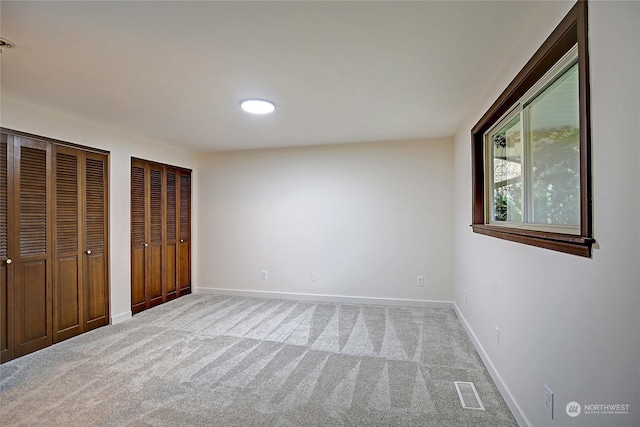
33	202
156	206
3	200
171	206
137	205
185	206
66	203
95	172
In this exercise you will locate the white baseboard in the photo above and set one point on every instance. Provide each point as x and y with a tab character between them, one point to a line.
119	318
497	379
340	299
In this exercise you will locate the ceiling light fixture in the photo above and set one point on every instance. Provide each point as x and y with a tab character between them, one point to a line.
258	106
5	44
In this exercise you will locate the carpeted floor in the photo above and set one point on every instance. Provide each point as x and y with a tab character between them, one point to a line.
209	360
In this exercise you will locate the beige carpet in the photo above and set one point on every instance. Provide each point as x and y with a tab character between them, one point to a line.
205	360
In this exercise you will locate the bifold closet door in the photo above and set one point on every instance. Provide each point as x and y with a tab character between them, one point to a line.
139	209
80	268
147	235
31	230
96	251
80	282
67	244
172	221
6	249
184	276
155	249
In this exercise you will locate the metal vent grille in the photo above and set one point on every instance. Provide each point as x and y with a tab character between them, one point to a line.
468	395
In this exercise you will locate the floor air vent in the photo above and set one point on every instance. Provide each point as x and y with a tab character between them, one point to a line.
468	395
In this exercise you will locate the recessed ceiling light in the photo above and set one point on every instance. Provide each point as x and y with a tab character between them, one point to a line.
258	106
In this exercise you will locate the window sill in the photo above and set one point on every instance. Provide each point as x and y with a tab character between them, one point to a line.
567	243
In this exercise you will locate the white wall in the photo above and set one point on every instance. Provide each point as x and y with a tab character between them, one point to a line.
367	218
565	321
24	117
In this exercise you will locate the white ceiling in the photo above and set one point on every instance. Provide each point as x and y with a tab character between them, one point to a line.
338	71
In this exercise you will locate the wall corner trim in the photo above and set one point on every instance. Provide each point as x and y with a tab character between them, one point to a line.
340	299
119	318
497	379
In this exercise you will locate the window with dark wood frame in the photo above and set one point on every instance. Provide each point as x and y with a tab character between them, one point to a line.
570	32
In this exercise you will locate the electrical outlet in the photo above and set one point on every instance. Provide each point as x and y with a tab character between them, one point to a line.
264	275
420	281
498	336
314	277
548	401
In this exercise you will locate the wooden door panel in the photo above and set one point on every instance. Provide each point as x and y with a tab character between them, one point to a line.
6	315
155	275
138	298
67	320
96	307
184	283
170	269
33	322
4	297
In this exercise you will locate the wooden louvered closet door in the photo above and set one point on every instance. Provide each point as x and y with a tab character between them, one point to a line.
6	249
95	254
147	236
139	239
184	280
172	221
67	244
80	282
155	251
160	233
32	270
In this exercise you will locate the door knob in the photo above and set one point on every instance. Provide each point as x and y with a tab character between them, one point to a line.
8	261
89	252
181	240
145	244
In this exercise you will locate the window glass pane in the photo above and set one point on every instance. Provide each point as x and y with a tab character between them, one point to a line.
506	188
554	138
